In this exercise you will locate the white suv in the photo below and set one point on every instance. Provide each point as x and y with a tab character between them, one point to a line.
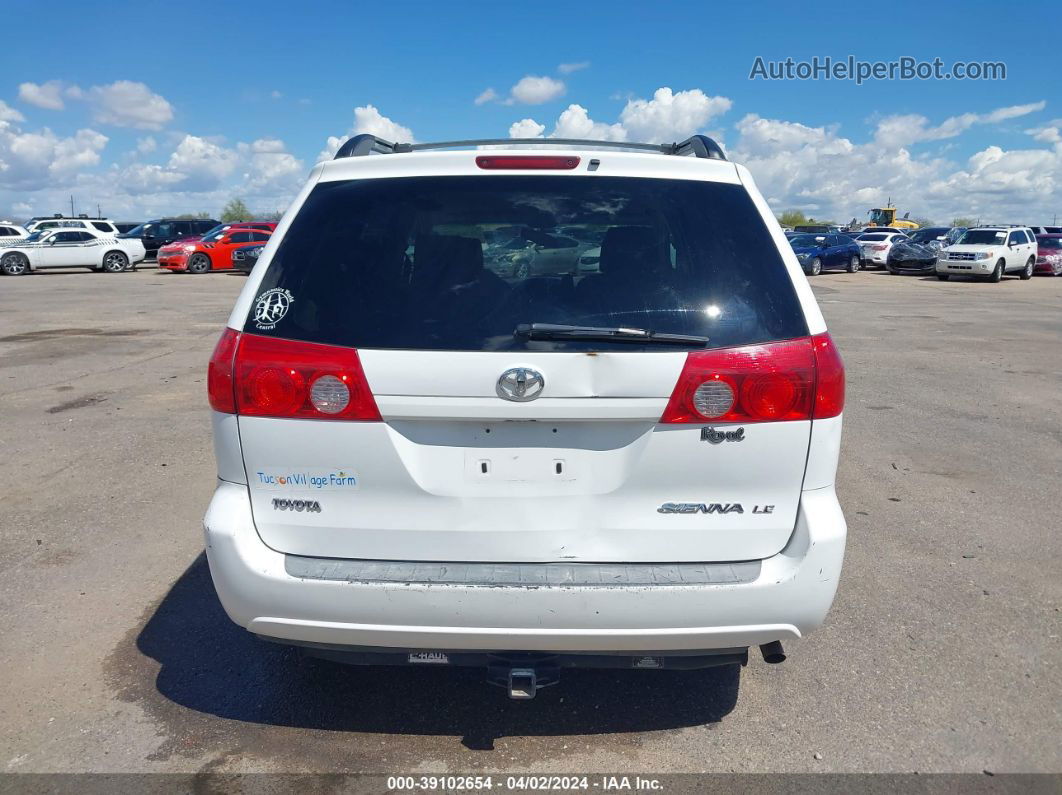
102	226
424	461
989	252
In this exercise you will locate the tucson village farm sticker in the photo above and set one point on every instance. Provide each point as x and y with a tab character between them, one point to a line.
296	479
271	307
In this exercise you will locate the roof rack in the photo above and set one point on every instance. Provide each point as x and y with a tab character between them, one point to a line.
364	144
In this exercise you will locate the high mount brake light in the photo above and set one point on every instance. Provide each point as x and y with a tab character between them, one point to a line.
778	381
527	162
267	377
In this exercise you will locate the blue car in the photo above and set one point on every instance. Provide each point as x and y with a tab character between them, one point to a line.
819	252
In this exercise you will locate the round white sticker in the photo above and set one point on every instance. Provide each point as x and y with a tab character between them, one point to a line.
271	307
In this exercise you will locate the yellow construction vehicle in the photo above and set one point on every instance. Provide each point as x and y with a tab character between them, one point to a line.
886	216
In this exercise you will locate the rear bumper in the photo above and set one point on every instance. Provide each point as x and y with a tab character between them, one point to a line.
790	597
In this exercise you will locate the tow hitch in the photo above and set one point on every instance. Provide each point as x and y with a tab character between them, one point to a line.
523	676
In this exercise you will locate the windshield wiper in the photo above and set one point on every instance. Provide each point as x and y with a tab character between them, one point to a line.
554	331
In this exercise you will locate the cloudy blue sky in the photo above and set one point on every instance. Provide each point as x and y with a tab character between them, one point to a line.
155	108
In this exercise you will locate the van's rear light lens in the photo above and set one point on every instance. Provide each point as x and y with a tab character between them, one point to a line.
532	162
829	372
713	398
772	382
219	373
285	378
330	394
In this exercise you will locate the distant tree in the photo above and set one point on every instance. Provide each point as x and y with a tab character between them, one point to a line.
960	221
923	222
792	218
194	216
235	210
273	217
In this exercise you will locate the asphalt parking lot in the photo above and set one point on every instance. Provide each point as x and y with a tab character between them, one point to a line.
941	654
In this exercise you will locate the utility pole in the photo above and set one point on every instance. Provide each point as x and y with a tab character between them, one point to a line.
71	206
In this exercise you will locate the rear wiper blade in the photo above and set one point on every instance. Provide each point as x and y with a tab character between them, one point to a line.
555	331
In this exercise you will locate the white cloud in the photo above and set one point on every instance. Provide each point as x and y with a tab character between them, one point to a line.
36	159
125	103
526	128
274	94
905	129
820	171
666	117
575	122
568	68
487	95
8	113
1049	133
44	95
535	90
669	116
368	119
146	145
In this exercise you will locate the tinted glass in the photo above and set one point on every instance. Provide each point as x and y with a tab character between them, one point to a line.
102	227
982	237
873	237
1049	242
259	236
807	241
240	237
408	263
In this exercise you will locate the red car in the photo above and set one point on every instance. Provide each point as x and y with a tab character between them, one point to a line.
213	251
1049	256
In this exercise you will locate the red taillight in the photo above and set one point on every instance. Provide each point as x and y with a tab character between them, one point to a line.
773	382
219	373
829	378
284	378
533	162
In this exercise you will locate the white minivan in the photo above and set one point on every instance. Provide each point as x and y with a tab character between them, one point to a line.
425	461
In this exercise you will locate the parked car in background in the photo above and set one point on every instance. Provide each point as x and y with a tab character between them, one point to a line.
177	252
875	246
69	248
157	233
1049	254
888	230
1045	230
989	253
10	232
816	229
126	226
909	257
213	252
929	235
245	257
817	253
103	226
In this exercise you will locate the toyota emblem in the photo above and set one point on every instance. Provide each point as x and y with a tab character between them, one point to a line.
520	384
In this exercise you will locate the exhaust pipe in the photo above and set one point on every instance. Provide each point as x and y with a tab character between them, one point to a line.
773	652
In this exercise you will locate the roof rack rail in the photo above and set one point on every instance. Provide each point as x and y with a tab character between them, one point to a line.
364	144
